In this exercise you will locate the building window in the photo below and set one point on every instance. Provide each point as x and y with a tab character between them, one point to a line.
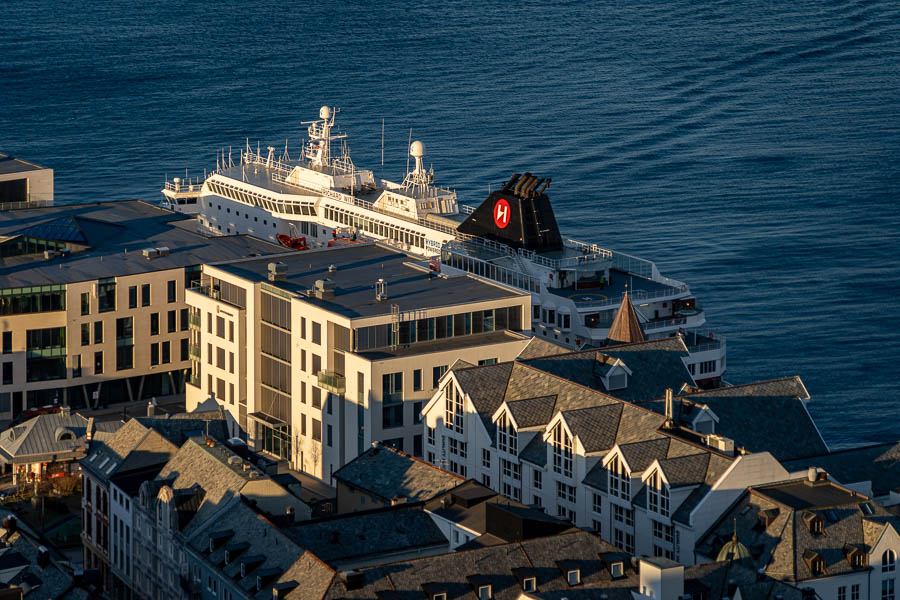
183	317
562	451
484	592
597	504
510	469
663	552
486	480
172	318
8	373
888	561
565	492
658	494
391	416
154	324
154	354
507	438
429	432
486	458
436	374
170	289
887	589
623	515
85	334
132	296
511	491
623	540
98	332
98	363
619	479
316	333
842	592
145	294
85	303
417	380
661	531
854	591
166	353
7	342
538	480
453	408
417	413
573	577
316	430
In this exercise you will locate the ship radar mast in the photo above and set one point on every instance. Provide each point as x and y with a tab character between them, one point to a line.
418	180
318	147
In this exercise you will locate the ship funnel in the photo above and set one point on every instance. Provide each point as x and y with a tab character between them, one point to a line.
546	185
512	181
518	186
535	186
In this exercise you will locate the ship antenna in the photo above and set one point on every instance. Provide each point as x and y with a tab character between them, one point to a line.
230	162
382	146
407	149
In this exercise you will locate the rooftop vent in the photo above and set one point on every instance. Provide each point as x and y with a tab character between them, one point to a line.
150	253
332	268
324	288
49	254
721	443
254	474
381	290
277	271
162	251
234	459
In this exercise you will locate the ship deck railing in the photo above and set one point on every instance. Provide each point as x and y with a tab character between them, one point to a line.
183	187
636	295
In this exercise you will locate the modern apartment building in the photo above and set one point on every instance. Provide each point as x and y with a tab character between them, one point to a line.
578	434
320	353
92	301
24	184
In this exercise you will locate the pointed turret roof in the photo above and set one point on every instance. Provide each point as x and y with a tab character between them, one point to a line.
625	328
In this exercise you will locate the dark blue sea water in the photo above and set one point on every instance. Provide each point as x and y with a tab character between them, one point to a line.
750	148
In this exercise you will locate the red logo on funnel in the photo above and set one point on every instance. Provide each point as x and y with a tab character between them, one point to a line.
501	213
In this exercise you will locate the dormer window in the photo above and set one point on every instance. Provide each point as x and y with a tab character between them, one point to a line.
766	517
507	439
573	576
888	561
815	562
617	380
484	592
529	584
616	569
658	494
813	522
440	596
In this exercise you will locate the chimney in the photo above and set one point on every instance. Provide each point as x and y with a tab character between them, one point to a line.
669	408
65	410
811	474
661	579
277	271
151	409
89	430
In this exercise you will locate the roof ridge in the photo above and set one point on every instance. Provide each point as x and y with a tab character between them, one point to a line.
742	385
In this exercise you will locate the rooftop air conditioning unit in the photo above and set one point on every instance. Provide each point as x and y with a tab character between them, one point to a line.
150	253
720	443
162	251
277	271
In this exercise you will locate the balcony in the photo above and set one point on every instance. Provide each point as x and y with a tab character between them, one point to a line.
194	352
332	381
194	321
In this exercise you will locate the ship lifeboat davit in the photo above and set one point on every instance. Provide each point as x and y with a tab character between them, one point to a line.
294	243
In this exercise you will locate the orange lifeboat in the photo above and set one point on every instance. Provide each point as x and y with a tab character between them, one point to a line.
294	243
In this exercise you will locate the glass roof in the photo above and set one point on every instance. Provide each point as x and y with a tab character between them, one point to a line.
64	229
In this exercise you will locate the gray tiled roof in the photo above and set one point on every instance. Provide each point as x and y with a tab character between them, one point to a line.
780	547
389	473
258	537
453	573
538	347
716	466
180	427
655	365
132	448
486	386
535	451
532	412
764	416
879	463
36	439
371	533
194	464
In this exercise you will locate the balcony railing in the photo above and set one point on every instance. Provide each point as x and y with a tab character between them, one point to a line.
194	321
194	352
333	382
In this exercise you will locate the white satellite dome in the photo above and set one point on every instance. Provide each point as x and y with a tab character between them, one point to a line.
324	113
417	149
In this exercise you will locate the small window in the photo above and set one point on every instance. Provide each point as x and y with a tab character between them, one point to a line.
484	592
529	584
441	596
573	577
616	570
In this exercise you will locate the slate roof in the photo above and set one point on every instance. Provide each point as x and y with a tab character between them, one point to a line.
193	465
765	416
532	412
538	347
780	547
467	506
389	473
132	448
535	451
625	328
315	575
368	534
237	525
20	555
655	365
713	581
180	427
878	463
35	440
455	572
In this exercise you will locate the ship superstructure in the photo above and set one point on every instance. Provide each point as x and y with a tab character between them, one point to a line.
512	238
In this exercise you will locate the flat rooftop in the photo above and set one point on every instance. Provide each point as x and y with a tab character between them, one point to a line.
11	164
114	233
803	494
357	268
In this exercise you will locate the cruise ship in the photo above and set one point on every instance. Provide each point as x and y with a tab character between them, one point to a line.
322	199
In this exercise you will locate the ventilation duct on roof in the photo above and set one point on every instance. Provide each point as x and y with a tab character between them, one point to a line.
324	289
277	271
